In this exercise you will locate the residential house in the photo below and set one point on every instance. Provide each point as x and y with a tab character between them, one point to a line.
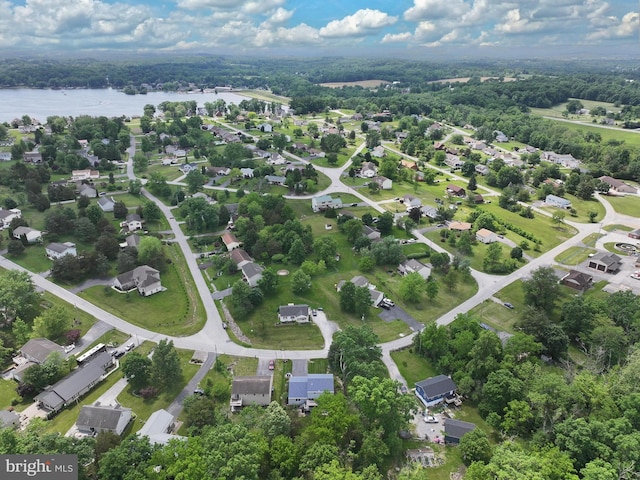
276	179
482	169
414	266
378	152
430	212
435	390
9	419
32	157
566	160
106	204
265	127
230	241
252	273
368	170
371	233
132	222
254	390
77	383
315	153
131	241
383	182
275	159
88	174
143	278
58	250
323	202
246	172
294	313
558	202
31	234
635	234
5	156
6	216
617	185
411	202
219	171
459	226
477	198
360	281
455	190
454	430
187	168
304	390
577	280
158	428
486	236
453	161
410	164
500	137
97	419
240	257
37	350
87	190
605	262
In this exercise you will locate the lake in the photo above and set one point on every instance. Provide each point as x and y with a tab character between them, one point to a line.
40	104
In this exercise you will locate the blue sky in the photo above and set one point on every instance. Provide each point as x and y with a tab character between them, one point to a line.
404	27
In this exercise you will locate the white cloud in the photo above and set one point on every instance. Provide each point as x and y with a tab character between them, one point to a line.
625	28
361	23
278	17
197	4
514	23
434	9
260	6
396	37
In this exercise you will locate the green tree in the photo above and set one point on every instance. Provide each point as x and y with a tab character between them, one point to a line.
412	286
541	290
300	282
137	370
52	323
150	252
140	163
297	252
135	187
275	421
474	447
385	223
120	210
151	212
94	213
362	301
241	298
269	281
195	179
165	365
432	289
354	352
21	331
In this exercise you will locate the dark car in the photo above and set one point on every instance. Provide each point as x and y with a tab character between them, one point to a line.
272	364
508	305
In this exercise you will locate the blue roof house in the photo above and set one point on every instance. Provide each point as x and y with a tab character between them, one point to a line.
559	202
304	390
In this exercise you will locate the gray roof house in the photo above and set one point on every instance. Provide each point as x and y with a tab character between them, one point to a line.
31	234
143	278
370	233
106	204
132	222
254	390
76	384
559	202
435	390
38	349
293	313
304	390
454	430
95	419
131	241
605	262
86	190
158	426
57	250
9	419
252	273
412	265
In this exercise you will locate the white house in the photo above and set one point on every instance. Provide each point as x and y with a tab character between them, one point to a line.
383	182
7	215
86	190
411	202
323	202
246	172
414	266
559	202
254	390
486	236
265	127
143	278
106	204
368	170
158	428
132	222
59	250
293	313
481	169
230	241
252	273
187	168
31	234
77	175
378	152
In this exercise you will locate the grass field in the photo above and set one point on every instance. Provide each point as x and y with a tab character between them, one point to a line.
8	394
628	136
176	311
264	95
240	366
574	255
582	208
616	226
628	205
413	367
318	365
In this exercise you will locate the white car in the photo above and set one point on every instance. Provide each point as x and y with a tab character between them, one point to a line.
430	419
635	275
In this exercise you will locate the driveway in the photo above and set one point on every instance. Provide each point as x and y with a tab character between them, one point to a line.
96	331
299	368
92	282
398	313
263	367
220	294
176	406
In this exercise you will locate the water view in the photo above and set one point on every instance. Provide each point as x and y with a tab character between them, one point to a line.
39	104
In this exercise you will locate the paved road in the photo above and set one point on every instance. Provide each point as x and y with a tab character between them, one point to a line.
176	406
95	332
220	294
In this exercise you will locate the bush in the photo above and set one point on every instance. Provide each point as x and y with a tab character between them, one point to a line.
148	392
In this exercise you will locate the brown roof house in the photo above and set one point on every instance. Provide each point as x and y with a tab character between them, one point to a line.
254	390
143	278
455	190
230	241
577	280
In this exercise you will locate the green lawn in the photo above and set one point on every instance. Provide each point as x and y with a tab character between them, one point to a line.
628	205
33	259
280	384
176	311
413	367
582	208
240	366
591	239
628	136
615	226
496	314
318	365
144	408
8	394
574	255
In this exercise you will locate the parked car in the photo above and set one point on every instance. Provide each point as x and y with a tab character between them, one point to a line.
314	312
388	302
130	346
403	389
384	305
198	391
272	364
430	419
508	305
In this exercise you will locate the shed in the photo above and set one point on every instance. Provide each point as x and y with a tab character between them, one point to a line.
454	430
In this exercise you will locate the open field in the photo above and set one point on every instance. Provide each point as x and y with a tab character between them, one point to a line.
627	205
466	79
582	208
359	83
574	255
412	367
557	110
263	95
629	137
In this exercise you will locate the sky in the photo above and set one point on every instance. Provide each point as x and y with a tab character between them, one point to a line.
403	27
